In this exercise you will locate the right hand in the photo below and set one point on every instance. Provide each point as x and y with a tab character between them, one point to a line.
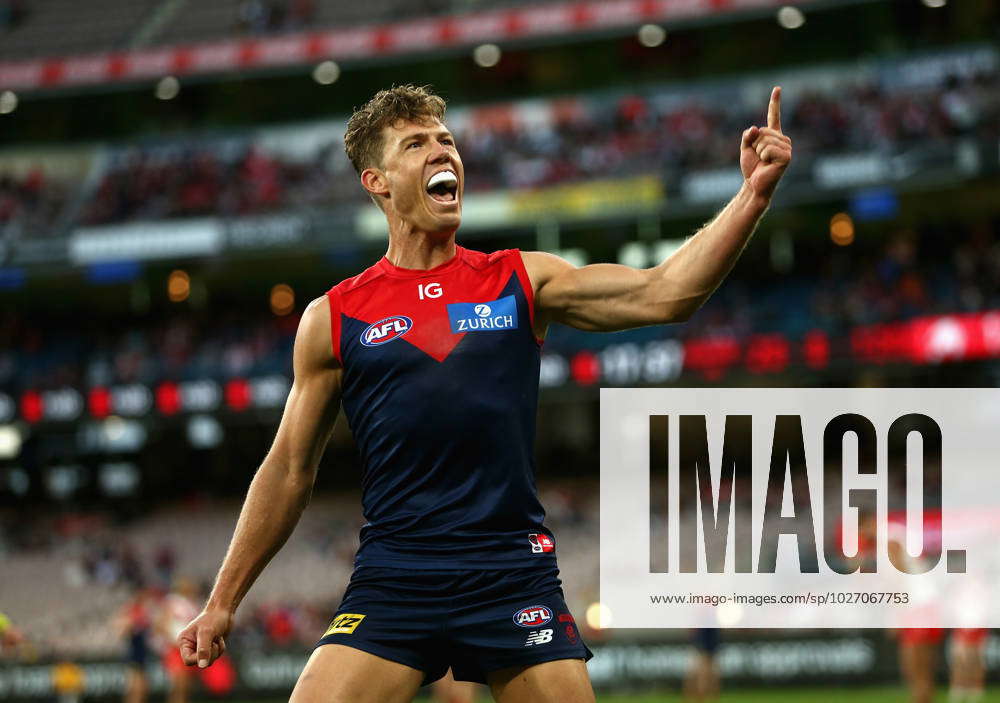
203	640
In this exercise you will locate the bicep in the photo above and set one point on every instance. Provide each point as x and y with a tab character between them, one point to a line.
597	297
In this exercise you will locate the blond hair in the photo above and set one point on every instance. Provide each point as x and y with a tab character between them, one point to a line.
363	140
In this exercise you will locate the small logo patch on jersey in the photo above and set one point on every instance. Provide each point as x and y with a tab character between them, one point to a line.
344	624
532	616
540	543
492	316
538	637
386	330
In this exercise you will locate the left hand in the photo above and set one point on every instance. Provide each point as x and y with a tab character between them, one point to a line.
765	152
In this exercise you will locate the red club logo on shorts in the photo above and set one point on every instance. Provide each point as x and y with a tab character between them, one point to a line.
541	543
570	629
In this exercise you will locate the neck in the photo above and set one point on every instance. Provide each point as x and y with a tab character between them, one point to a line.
413	249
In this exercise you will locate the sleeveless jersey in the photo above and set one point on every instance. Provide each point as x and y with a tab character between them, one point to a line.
440	387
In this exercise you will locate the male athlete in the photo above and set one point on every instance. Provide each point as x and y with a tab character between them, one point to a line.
434	352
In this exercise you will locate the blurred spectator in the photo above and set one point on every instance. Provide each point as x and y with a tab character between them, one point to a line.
263	16
165	561
29	204
10	635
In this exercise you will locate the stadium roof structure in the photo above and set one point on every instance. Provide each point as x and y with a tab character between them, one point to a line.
359	43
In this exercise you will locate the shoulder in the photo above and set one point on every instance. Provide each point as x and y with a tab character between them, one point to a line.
313	341
543	266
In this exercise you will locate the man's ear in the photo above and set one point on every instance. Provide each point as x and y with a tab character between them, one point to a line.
374	181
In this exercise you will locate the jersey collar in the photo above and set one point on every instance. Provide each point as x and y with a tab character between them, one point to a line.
397	272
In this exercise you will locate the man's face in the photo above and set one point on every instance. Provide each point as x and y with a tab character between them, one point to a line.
424	175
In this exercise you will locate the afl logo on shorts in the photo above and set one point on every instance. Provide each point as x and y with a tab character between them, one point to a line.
386	330
532	616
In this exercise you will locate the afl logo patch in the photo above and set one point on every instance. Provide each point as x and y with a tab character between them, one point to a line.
532	616
386	330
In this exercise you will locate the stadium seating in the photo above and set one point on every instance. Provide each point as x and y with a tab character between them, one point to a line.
63	27
308	574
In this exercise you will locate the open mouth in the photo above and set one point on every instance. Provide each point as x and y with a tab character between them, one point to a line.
443	187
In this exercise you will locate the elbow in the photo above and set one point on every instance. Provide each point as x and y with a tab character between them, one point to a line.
292	473
678	311
674	303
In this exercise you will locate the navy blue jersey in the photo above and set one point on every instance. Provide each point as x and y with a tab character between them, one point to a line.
440	387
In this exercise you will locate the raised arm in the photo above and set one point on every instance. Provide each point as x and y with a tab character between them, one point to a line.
280	489
608	297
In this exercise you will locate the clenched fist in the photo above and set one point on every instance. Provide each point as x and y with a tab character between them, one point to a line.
204	639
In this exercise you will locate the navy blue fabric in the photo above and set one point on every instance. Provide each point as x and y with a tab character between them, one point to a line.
138	648
447	446
433	620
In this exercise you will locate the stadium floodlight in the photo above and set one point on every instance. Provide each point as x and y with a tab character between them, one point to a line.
167	88
10	441
841	229
178	286
282	299
651	35
204	432
486	55
326	72
791	17
8	102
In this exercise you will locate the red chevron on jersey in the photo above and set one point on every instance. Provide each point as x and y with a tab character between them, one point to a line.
412	305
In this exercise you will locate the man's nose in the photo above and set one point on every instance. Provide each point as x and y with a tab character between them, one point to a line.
440	154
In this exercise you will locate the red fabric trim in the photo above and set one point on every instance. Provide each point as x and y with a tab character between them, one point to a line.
335	322
529	292
397	272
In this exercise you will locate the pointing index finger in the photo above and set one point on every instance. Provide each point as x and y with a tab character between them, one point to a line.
774	109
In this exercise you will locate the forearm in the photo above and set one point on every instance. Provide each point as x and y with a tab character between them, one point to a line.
690	275
272	508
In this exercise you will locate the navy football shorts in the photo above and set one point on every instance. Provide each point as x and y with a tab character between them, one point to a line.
472	621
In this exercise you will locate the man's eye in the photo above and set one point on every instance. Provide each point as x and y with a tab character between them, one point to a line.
412	144
447	141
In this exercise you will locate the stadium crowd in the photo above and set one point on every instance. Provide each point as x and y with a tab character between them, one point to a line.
30	204
652	132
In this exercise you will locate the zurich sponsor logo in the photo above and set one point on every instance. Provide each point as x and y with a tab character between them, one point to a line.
494	315
532	616
386	330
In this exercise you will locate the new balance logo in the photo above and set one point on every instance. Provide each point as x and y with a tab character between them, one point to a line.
538	637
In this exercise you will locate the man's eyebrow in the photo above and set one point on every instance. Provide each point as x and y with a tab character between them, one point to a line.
416	135
424	135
